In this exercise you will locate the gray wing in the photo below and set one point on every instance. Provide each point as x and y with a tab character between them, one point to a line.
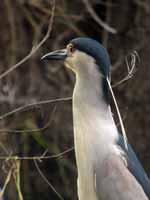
115	182
135	167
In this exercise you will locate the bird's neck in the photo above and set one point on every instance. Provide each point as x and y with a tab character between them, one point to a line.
91	112
91	92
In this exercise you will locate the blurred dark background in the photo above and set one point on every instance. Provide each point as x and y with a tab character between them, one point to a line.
23	23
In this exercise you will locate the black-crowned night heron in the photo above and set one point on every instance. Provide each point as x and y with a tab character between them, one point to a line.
106	169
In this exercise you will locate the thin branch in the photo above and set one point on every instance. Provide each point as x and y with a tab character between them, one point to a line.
26	130
16	176
39	158
32	130
130	68
6	183
34	49
46	180
97	18
22	108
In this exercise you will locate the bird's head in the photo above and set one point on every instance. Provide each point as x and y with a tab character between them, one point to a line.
80	54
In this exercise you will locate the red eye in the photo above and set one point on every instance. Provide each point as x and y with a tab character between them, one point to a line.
71	49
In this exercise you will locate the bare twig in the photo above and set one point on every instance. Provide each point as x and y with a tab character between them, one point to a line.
34	49
130	68
6	183
16	176
40	157
97	18
22	108
32	130
46	180
26	130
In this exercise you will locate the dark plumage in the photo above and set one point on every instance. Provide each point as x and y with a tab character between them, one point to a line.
94	49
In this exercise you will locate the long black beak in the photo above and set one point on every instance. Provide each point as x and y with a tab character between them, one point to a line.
55	55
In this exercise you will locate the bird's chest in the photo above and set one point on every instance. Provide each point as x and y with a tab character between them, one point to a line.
90	148
94	130
85	161
93	135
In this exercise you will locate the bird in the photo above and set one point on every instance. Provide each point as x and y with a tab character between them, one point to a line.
106	169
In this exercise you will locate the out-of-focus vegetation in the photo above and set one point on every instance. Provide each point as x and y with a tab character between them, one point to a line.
46	129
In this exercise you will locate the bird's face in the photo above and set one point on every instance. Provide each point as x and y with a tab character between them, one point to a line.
78	61
72	57
82	55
